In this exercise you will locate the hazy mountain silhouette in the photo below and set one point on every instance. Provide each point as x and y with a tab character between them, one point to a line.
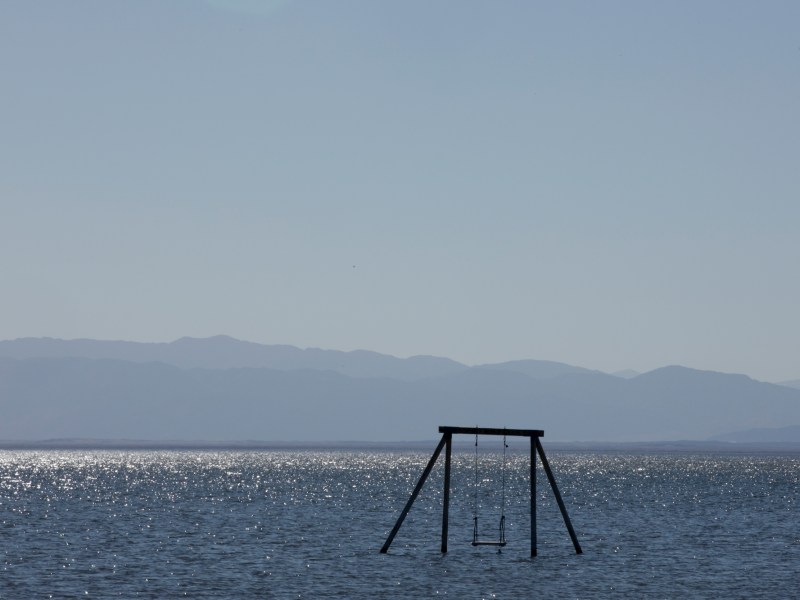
794	383
43	398
771	435
224	352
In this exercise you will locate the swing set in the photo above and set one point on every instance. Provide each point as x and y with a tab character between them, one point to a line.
446	443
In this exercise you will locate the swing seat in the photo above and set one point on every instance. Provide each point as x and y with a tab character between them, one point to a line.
476	541
488	543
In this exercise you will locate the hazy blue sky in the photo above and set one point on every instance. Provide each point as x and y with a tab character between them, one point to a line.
610	184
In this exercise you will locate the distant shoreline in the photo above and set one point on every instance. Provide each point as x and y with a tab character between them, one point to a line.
679	446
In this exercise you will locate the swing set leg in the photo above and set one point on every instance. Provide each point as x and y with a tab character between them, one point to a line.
445	438
534	444
446	498
561	506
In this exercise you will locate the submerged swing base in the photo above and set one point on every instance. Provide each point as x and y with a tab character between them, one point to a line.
487	543
446	443
476	541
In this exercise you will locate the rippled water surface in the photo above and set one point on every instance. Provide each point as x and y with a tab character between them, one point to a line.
309	524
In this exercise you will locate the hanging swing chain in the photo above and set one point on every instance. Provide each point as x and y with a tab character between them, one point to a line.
503	495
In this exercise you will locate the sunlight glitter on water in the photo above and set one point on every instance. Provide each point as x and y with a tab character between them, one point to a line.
310	523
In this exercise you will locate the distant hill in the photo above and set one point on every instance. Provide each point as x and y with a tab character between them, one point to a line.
771	435
46	398
223	352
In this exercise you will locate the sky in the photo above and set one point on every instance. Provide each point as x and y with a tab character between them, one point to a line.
614	185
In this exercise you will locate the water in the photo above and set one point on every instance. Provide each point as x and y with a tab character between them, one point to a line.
309	524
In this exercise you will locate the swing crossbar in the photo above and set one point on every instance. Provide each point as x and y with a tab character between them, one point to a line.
491	431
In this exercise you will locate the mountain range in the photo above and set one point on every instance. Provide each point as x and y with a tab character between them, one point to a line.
219	389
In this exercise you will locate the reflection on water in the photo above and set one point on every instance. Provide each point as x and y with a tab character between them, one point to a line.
284	524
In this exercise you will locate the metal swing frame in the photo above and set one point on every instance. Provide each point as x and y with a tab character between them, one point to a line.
446	443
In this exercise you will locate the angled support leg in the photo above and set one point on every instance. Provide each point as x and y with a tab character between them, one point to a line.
561	506
414	494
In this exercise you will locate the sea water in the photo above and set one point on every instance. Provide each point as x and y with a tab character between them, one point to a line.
310	524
